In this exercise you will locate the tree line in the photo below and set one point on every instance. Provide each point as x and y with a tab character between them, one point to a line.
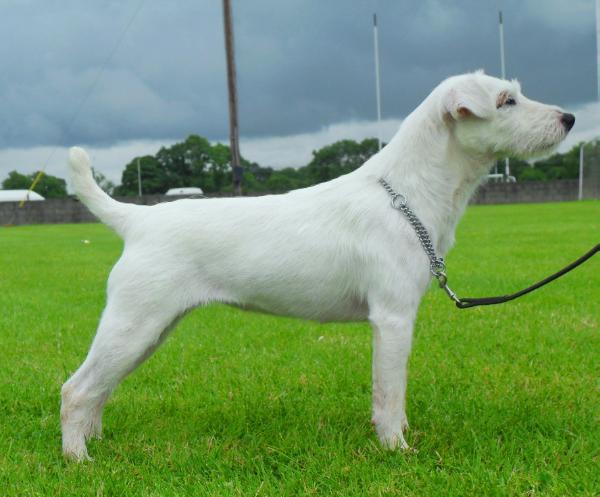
197	162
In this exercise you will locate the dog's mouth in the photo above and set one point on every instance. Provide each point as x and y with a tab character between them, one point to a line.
542	146
541	150
550	146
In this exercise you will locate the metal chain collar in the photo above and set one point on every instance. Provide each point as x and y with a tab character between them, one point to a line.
438	268
436	264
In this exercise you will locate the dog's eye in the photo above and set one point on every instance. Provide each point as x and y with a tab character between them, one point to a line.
510	101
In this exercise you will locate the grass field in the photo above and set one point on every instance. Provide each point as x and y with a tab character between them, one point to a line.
502	400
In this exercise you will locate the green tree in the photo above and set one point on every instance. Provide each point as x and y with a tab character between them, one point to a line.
219	168
520	169
16	181
532	174
557	166
193	162
339	158
48	186
154	179
560	166
285	180
262	174
186	163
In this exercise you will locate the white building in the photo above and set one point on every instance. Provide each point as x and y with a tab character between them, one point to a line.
18	195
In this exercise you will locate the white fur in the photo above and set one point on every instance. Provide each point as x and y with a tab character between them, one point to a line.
334	251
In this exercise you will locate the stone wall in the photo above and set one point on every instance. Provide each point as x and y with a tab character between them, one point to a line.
533	192
53	211
70	210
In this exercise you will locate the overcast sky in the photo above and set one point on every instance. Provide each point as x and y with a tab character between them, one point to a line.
305	71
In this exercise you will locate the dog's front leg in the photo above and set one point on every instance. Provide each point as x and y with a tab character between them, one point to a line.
392	338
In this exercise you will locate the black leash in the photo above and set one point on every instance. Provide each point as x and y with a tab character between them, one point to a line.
438	267
466	302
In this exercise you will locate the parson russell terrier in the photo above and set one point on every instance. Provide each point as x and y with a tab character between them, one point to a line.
336	251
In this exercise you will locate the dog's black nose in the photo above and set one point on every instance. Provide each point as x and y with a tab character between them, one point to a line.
568	120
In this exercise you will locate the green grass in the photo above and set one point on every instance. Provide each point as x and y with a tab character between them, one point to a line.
502	400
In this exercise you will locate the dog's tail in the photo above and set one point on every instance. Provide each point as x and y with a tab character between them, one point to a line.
108	210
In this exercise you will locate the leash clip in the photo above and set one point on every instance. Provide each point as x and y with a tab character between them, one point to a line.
443	282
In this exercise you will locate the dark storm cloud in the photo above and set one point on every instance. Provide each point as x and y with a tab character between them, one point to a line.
301	64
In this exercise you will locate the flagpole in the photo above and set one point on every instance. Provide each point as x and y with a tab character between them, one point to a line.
377	89
503	71
598	45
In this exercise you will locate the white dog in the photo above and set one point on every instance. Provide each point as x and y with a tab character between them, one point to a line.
334	251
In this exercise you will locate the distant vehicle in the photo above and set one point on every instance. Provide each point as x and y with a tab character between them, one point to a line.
188	191
18	195
499	178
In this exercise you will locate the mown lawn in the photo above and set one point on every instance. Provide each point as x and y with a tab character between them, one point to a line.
502	400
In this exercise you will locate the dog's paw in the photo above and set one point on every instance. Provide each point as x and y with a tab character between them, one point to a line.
73	446
393	441
390	434
76	454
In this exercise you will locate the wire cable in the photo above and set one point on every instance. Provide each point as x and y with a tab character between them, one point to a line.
85	98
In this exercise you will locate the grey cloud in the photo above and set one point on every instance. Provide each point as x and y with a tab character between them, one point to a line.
302	65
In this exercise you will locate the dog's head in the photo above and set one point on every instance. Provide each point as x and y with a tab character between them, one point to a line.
491	116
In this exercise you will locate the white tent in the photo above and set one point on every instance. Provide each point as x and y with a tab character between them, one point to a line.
18	195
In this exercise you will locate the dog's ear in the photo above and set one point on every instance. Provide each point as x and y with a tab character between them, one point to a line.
467	99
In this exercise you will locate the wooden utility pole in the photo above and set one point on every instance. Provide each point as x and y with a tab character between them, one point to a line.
231	85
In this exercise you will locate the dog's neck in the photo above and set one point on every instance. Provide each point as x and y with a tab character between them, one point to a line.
425	162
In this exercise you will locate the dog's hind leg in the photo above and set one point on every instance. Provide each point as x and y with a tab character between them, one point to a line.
392	338
129	331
